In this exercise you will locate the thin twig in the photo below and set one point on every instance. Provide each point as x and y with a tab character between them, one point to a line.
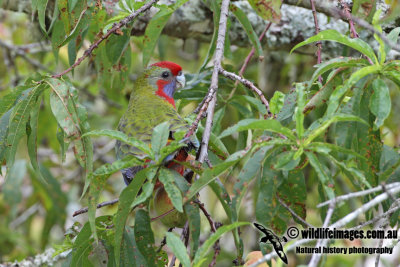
217	248
114	29
322	242
345	220
162	215
377	218
102	204
304	223
164	241
253	50
249	85
319	44
359	194
383	226
268	257
21	53
211	100
347	12
24	216
370	204
366	25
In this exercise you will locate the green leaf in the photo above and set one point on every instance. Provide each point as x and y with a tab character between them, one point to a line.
11	189
285	161
53	199
242	17
318	146
249	171
18	120
201	253
193	214
335	36
321	97
8	101
59	102
285	115
155	27
97	182
121	137
215	144
267	9
170	149
380	103
167	178
312	134
293	192
72	119
82	248
57	37
81	24
144	236
41	7
256	102
336	63
253	124
218	116
394	76
126	199
147	191
276	102
116	46
298	112
178	248
266	207
32	125
4	120
375	23
159	137
130	254
352	171
64	14
211	49
392	36
207	177
323	175
341	90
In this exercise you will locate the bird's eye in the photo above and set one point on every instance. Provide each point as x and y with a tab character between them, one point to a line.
165	74
180	73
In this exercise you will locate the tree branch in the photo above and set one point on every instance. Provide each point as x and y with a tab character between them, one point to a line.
114	29
304	223
211	99
359	194
249	85
319	44
102	204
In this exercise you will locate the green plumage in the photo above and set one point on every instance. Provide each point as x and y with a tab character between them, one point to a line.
146	110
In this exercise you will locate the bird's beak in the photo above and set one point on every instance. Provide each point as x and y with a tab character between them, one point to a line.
181	81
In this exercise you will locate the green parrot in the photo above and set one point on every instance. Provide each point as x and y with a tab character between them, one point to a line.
151	103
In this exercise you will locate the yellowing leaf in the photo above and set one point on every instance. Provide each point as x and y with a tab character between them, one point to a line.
267	9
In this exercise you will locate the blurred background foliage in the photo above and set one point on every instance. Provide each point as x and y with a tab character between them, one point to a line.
35	215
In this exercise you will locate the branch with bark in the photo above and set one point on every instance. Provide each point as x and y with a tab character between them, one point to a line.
391	190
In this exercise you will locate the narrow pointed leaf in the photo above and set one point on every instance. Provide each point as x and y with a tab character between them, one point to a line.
380	103
335	36
178	249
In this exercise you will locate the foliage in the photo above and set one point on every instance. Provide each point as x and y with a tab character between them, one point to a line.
320	136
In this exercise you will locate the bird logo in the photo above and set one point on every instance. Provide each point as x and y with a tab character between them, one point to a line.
274	240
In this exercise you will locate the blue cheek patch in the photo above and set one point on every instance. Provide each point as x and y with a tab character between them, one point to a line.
169	89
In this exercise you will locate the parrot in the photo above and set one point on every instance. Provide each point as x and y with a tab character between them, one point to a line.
151	103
